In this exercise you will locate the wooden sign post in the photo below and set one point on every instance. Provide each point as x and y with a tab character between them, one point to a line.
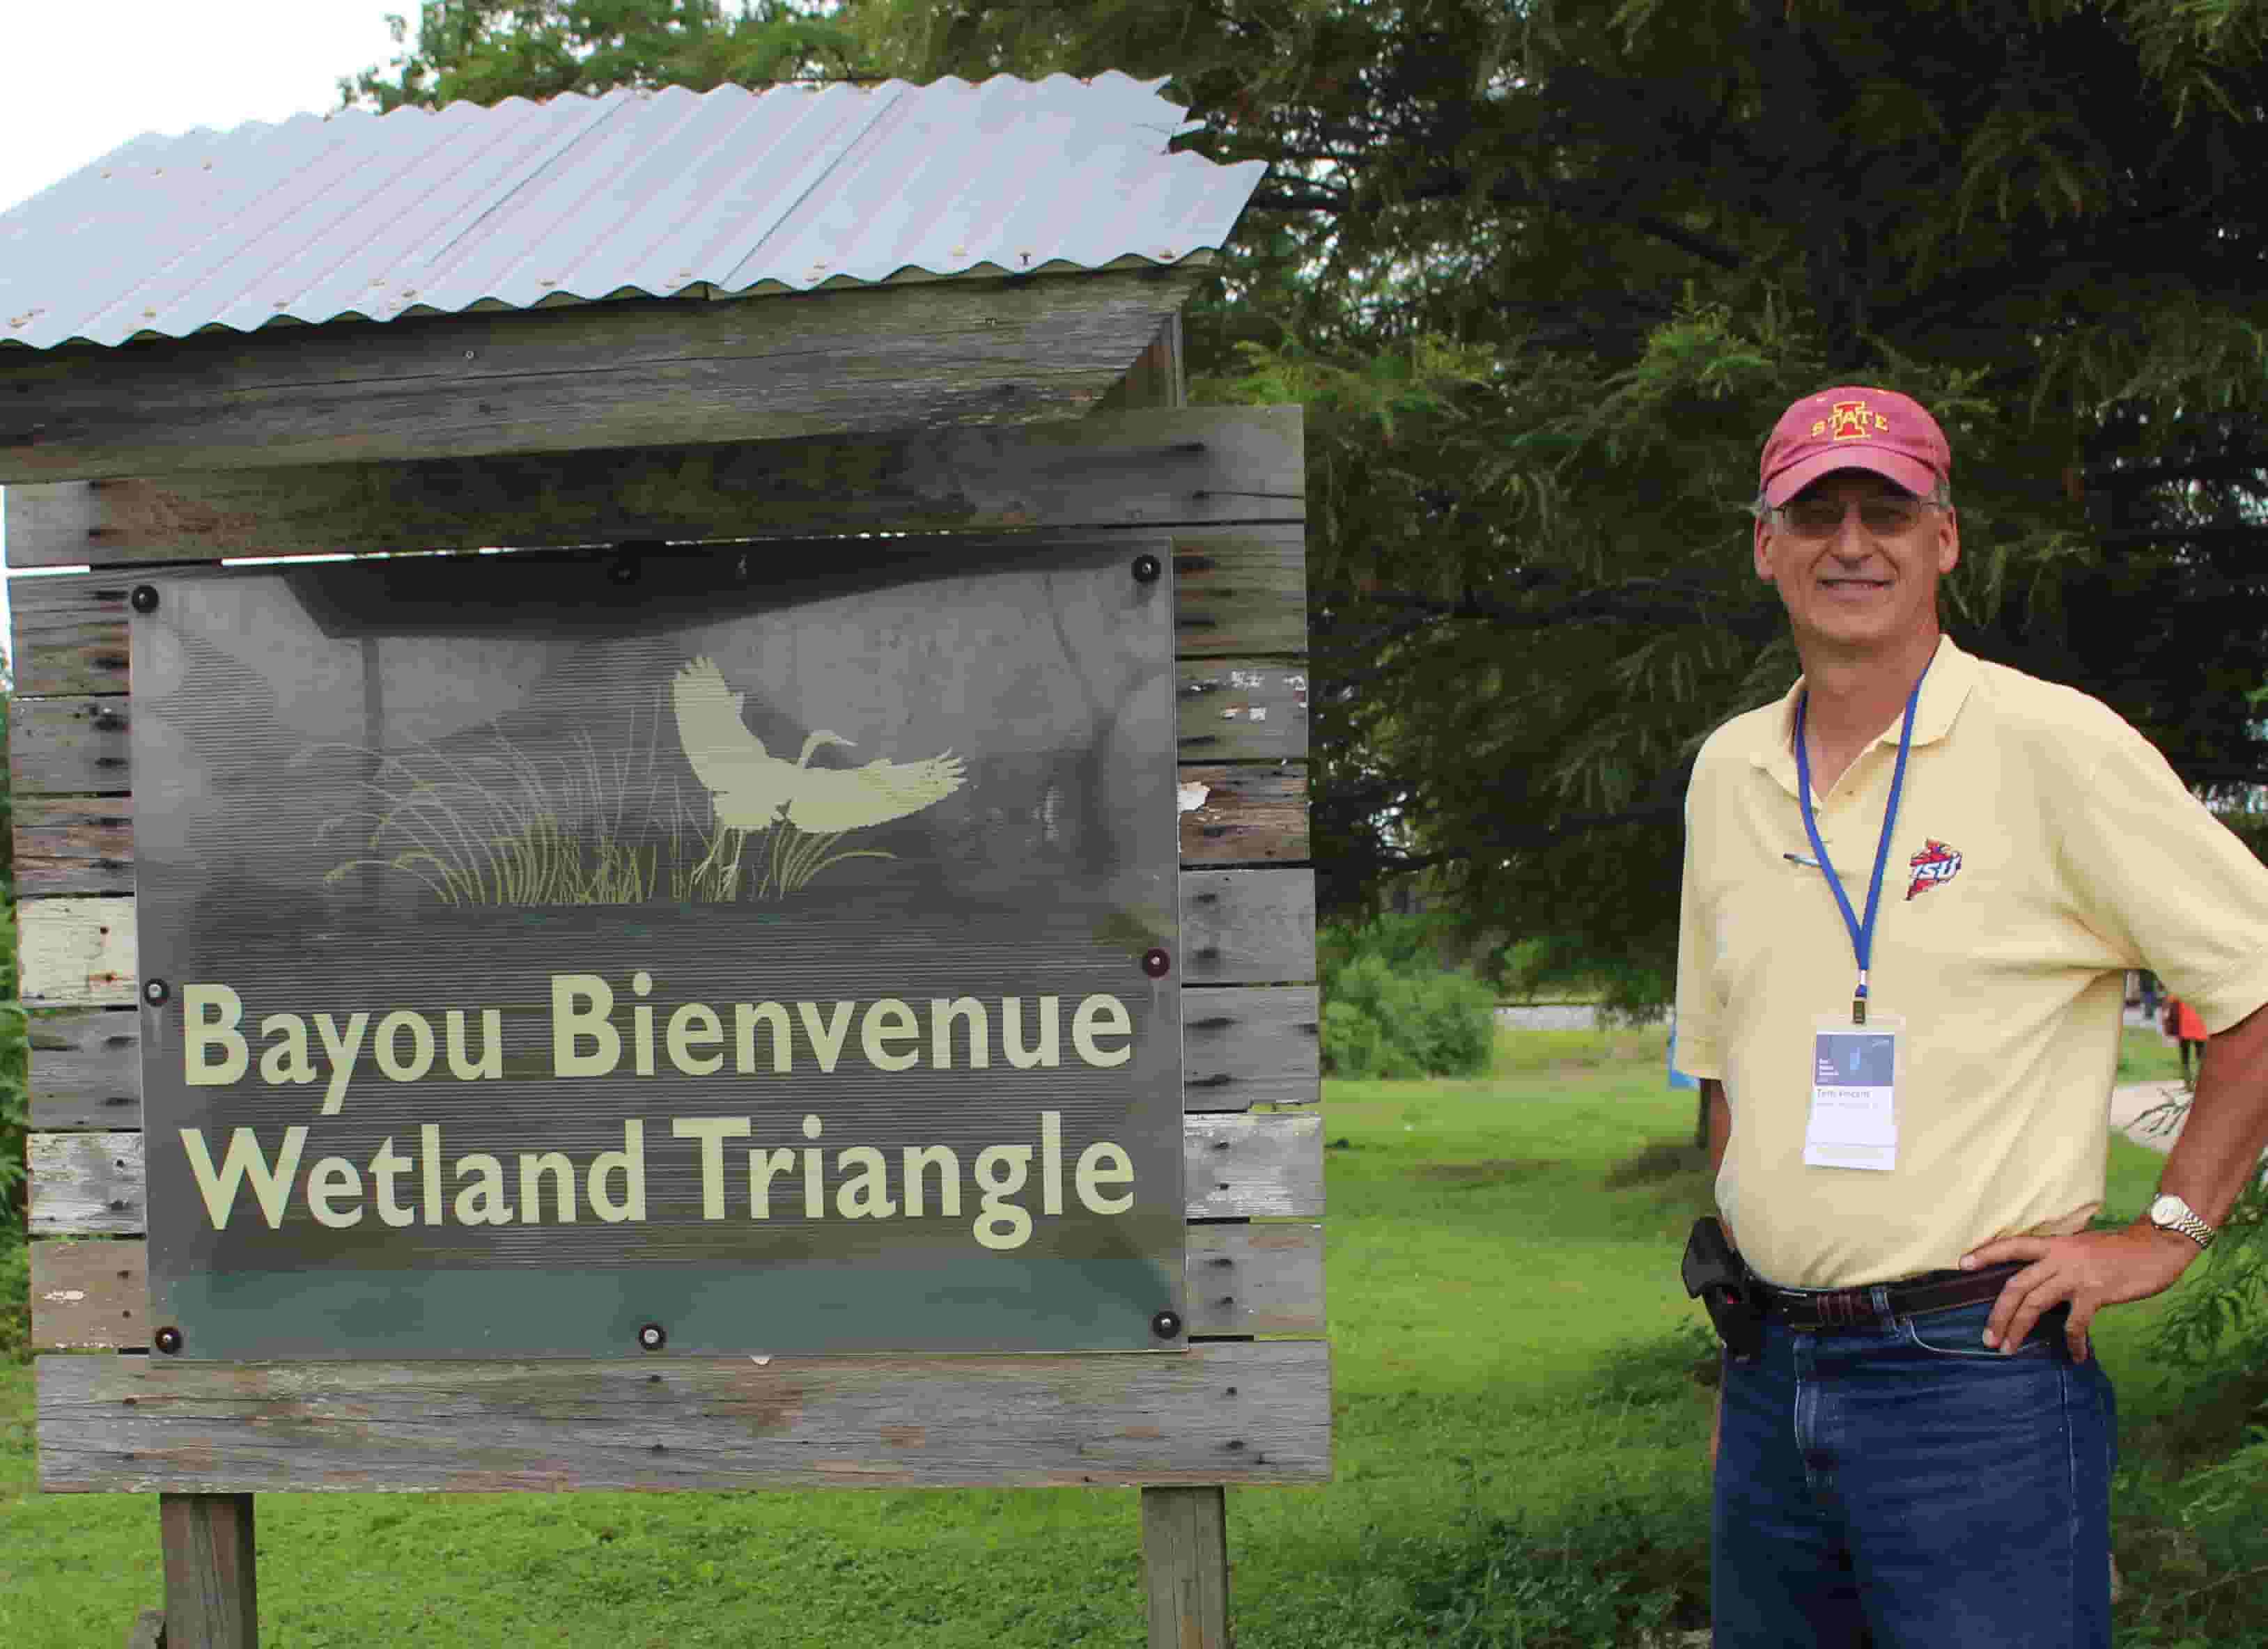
147	462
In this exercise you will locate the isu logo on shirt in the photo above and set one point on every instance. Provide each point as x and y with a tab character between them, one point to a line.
1933	866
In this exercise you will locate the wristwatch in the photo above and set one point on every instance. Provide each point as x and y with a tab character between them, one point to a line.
2170	1213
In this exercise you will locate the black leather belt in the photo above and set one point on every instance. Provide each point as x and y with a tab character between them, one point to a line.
1815	1308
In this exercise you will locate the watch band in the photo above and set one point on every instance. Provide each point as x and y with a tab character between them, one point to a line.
2171	1213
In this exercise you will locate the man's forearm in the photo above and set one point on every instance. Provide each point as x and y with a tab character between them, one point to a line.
2228	1125
2218	1149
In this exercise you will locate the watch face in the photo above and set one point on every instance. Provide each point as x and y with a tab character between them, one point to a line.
2167	1209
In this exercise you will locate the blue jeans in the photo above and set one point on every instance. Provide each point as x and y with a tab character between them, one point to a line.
1906	1479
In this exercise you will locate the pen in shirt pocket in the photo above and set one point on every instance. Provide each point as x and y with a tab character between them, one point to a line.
1809	862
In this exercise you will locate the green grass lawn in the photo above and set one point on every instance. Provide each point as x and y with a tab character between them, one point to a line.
1519	1432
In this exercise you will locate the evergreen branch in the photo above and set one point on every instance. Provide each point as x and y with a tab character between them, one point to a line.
1568	199
1969	290
2174	533
1607	606
1324	198
2216	467
1562	831
1687	240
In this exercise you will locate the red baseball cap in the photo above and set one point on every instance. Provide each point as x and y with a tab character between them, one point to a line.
1854	428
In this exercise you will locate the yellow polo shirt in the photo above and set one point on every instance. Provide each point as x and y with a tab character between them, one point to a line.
2042	848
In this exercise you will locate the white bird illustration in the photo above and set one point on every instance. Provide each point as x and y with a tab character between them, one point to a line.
754	788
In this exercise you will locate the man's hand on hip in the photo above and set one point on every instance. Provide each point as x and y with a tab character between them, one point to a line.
2088	1268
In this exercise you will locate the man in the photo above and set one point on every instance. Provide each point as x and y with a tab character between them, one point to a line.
1920	1446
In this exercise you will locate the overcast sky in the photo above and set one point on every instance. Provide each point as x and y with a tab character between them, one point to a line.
80	78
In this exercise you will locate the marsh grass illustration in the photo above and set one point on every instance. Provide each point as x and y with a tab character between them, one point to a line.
497	825
784	860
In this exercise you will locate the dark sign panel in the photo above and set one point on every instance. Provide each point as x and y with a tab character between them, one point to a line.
732	954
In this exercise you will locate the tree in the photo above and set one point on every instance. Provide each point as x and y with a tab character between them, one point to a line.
1544	273
483	51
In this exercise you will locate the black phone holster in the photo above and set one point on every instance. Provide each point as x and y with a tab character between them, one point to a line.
1714	1275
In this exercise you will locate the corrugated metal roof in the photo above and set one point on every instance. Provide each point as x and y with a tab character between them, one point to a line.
633	193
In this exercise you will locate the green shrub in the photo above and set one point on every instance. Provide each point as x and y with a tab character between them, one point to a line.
14	1298
1405	944
1353	1043
1620	1573
2218	1324
2192	1549
2227	1491
1382	1021
15	1106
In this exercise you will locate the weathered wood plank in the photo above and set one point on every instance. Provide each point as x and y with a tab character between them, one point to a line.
1156	379
1185	1566
1241	590
90	1296
70	633
91	1184
1248	1411
76	953
1241	1279
601	375
1247	1045
86	1068
68	746
86	1185
1193	465
1255	1279
211	1577
85	845
1234	709
1249	1166
1248	927
1252	814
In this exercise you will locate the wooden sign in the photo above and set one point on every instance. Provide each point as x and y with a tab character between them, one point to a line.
576	956
1215	493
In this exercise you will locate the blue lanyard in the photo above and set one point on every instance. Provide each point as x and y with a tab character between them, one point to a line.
1862	934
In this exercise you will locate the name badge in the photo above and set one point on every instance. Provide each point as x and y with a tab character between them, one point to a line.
1854	1106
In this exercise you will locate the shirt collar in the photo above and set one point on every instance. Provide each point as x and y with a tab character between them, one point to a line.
1944	690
